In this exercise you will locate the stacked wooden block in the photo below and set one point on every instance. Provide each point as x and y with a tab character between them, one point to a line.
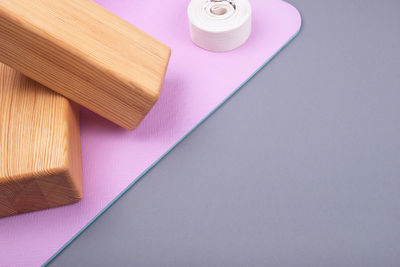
70	50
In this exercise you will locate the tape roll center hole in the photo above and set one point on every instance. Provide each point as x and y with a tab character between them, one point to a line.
218	10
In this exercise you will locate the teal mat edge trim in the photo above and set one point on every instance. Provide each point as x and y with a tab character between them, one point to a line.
155	163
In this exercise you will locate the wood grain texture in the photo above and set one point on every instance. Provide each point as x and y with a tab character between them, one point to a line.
40	155
84	52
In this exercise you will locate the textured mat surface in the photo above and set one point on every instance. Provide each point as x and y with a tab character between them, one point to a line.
197	82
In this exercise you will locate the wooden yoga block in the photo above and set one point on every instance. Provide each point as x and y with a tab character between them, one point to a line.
40	155
84	52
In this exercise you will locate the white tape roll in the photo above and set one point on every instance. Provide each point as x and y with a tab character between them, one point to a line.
219	25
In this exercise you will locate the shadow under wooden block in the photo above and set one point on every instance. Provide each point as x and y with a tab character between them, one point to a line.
40	154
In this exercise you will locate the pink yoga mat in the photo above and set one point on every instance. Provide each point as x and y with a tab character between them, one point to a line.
197	82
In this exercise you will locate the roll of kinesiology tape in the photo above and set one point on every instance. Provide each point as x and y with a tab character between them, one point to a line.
219	25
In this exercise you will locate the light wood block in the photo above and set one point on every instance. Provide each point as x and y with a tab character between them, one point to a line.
84	52
40	155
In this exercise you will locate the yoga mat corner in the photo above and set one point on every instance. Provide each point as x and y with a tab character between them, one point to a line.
114	159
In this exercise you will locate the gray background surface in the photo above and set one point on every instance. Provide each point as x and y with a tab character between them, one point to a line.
300	168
